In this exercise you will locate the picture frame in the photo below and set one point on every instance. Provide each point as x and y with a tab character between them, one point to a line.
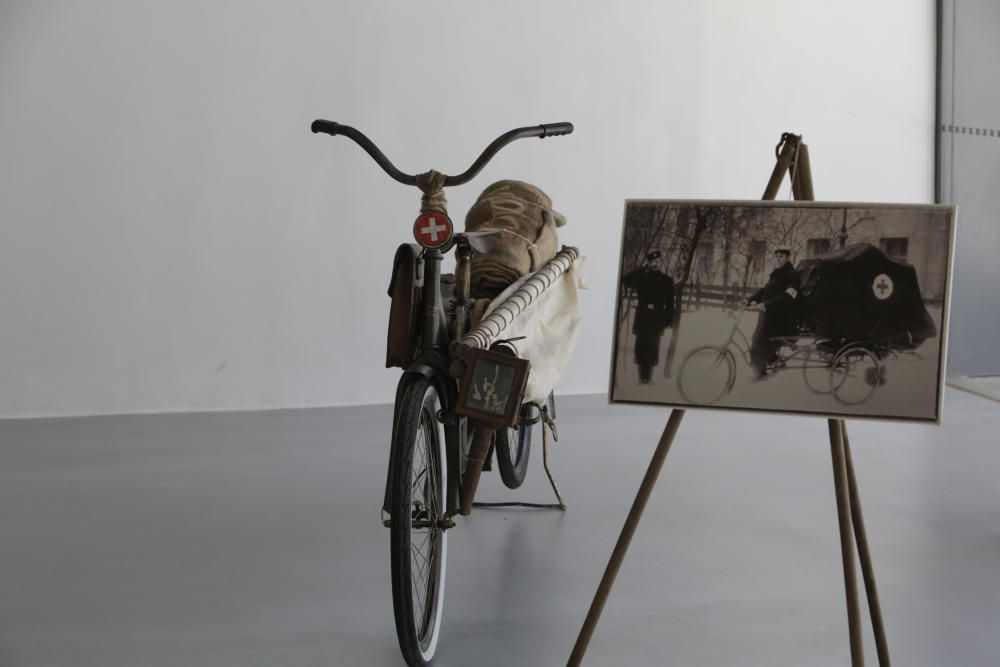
717	254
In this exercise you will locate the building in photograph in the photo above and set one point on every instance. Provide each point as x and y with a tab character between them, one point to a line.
726	268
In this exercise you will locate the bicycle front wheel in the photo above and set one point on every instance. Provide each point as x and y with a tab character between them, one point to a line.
707	374
418	541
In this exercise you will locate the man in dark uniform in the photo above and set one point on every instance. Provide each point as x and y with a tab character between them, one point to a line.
776	302
654	313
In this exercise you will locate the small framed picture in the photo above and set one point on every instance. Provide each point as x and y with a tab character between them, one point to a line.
492	387
829	309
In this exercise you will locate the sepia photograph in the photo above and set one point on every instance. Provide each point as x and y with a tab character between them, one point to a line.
816	308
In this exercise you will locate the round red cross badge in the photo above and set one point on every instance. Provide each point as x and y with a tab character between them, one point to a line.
882	287
433	229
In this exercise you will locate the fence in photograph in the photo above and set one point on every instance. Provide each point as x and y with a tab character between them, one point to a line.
697	296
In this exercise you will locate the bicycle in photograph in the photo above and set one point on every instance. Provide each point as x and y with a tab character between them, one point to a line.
436	454
850	371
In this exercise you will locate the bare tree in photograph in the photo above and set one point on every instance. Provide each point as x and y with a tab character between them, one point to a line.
690	234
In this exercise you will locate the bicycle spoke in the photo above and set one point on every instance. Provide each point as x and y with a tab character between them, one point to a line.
430	497
420	578
424	543
415	486
420	548
419	611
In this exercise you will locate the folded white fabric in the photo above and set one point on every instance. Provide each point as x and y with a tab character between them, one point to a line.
549	326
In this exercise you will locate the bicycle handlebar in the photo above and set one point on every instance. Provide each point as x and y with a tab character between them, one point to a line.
540	131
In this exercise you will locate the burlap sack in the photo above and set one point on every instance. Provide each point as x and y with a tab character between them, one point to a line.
524	214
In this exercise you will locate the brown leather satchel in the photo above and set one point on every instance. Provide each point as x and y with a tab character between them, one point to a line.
404	288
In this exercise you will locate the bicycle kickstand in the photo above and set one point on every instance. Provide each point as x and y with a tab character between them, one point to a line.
549	425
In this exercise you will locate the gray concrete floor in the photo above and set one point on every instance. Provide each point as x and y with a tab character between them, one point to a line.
987	386
254	539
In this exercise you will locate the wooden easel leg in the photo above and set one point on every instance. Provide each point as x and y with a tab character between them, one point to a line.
864	555
781	168
628	530
802	182
844	515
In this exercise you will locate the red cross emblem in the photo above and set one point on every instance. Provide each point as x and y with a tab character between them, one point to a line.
432	229
882	287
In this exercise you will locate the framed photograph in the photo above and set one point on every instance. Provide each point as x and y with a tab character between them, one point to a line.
831	309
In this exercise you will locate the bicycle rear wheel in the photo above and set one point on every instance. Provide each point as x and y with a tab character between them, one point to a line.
418	541
513	446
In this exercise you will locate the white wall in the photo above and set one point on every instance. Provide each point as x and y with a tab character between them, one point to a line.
174	238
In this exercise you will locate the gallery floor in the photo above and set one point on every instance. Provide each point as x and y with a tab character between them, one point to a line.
255	539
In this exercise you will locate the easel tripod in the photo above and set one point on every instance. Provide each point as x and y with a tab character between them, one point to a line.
793	158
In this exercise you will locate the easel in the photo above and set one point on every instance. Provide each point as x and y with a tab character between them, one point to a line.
792	157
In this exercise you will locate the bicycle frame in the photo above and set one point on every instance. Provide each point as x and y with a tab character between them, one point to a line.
431	362
790	349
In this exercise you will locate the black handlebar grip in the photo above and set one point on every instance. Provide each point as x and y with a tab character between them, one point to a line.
556	129
325	126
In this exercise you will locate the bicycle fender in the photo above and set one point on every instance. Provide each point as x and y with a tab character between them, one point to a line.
415	370
404	381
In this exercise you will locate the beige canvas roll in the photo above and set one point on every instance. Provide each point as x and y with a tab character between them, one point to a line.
524	216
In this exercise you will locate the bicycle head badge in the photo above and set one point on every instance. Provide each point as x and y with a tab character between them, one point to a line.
433	229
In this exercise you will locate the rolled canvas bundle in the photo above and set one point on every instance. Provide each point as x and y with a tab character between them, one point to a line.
527	223
524	286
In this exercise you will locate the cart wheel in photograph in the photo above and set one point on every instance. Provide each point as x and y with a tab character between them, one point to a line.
854	375
707	374
816	371
419	543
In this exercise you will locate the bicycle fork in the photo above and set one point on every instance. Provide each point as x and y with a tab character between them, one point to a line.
482	436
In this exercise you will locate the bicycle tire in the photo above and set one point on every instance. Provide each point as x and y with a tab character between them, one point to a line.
512	461
513	448
419	496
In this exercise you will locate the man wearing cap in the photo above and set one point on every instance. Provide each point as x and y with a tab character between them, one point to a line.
776	302
654	312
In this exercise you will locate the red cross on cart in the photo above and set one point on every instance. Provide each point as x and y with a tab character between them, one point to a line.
882	287
433	229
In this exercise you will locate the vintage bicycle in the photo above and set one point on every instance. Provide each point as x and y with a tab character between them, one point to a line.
457	401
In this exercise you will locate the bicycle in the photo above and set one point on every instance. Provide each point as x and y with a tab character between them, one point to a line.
436	453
